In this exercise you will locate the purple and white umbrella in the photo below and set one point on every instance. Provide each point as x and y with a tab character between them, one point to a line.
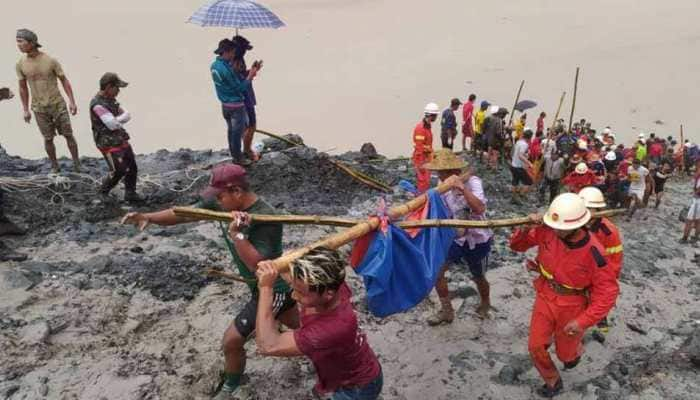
239	14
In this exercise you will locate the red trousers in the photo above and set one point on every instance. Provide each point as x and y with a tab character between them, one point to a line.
422	174
550	315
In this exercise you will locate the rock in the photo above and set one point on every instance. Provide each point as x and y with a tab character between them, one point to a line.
369	150
635	328
507	375
517	293
43	389
37	332
464	291
691	347
136	249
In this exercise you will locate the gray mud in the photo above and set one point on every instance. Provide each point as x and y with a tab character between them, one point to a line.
101	311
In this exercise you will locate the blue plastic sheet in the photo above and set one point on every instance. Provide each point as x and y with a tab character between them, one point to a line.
398	270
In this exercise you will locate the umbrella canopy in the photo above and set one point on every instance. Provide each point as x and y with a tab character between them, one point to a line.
239	14
523	105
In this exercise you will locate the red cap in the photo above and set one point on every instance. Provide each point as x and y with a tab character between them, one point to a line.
224	177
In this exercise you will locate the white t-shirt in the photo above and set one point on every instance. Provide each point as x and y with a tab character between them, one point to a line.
637	178
520	149
548	146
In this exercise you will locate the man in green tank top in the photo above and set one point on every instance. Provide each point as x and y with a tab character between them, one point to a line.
249	244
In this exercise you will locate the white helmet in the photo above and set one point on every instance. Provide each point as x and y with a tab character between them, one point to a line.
432	109
641	135
593	197
611	156
567	212
581	168
607	131
494	109
582	145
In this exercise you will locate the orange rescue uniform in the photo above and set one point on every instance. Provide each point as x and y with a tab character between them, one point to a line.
609	236
575	283
422	153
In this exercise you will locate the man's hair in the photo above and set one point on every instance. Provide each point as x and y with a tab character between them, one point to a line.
543	114
321	269
243	186
527	134
472	97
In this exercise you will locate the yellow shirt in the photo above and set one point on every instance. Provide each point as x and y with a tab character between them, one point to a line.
41	73
479	121
519	128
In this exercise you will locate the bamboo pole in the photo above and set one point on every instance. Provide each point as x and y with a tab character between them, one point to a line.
682	150
284	139
207	215
556	116
573	102
517	98
360	177
198	214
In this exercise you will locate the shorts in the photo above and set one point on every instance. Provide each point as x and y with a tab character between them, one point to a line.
245	320
659	185
520	176
694	210
468	130
639	194
477	258
54	120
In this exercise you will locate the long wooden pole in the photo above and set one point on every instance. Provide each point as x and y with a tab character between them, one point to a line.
556	116
200	214
517	98
284	139
682	167
573	102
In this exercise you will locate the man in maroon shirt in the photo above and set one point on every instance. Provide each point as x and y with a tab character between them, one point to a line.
329	335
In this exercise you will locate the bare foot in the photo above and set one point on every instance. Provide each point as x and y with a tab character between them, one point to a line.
483	311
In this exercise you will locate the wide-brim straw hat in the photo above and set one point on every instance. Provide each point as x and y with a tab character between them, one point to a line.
445	160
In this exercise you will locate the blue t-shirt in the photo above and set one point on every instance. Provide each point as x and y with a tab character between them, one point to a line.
448	121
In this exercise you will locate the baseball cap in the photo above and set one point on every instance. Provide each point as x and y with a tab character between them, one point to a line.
224	177
455	102
110	78
224	46
29	36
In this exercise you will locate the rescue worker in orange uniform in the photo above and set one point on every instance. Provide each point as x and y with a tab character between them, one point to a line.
576	287
423	146
609	236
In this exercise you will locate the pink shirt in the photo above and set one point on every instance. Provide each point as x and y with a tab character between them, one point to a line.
467	112
459	208
337	347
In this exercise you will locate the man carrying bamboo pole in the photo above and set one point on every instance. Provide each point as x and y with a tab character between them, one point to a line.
248	244
329	334
466	200
576	287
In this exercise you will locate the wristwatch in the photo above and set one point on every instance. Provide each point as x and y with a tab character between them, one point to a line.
239	236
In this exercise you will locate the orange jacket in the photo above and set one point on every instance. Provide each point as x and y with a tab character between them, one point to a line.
609	236
422	141
578	266
575	182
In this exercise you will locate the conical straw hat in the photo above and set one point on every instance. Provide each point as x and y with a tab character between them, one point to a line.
445	159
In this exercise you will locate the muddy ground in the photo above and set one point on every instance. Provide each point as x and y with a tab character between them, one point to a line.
101	311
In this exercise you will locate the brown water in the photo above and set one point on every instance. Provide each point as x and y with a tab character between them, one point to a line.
346	72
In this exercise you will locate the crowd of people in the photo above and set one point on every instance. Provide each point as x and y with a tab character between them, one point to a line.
579	254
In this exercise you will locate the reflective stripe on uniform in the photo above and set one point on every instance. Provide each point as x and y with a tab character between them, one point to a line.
547	275
419	137
613	250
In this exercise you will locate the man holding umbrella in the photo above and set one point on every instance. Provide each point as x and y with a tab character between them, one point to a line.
231	91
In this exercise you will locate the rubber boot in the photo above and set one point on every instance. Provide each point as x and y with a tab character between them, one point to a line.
130	196
445	315
549	392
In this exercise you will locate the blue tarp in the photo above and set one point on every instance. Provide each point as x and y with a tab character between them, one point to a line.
400	271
